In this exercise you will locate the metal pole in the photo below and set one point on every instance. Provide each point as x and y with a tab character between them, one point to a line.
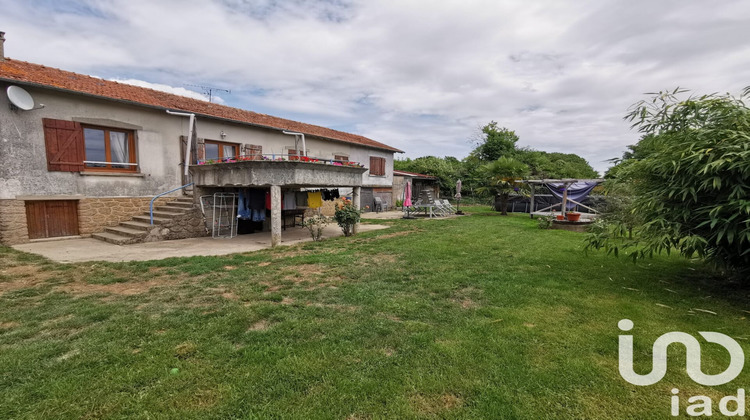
531	213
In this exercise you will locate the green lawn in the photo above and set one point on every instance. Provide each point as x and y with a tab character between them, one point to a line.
478	317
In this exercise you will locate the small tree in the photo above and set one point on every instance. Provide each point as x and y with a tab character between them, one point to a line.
347	216
501	179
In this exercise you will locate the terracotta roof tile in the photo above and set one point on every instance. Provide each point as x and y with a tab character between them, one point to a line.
36	74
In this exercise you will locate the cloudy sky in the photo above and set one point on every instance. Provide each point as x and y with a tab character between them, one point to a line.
418	75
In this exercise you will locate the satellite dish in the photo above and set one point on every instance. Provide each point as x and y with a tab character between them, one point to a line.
20	98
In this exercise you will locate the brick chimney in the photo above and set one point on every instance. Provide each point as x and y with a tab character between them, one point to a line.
2	49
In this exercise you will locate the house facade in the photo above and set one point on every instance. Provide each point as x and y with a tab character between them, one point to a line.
97	152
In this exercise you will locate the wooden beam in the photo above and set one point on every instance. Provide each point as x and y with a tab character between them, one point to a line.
564	208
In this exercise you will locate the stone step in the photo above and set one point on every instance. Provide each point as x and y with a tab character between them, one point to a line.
181	204
132	224
164	214
184	199
126	231
157	220
113	238
171	208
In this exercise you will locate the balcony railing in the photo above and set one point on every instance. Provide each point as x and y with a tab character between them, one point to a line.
273	157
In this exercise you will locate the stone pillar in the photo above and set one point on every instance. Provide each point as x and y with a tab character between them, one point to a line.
275	215
356	192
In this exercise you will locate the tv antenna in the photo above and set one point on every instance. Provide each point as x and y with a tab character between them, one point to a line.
209	91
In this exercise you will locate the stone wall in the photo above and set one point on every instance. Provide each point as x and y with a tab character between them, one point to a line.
189	225
94	213
328	209
13	228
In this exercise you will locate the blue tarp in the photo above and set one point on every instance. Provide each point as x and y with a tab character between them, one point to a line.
577	191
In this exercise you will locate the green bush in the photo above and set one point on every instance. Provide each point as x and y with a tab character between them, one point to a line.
347	216
690	180
545	222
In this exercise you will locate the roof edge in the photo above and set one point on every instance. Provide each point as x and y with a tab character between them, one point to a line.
202	115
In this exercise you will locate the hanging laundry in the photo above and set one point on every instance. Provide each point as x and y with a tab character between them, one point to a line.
289	201
268	200
314	200
243	211
301	198
335	194
259	215
257	199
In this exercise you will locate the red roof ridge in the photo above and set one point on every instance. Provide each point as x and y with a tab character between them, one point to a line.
52	77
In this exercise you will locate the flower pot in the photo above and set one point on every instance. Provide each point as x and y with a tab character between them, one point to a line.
560	217
573	217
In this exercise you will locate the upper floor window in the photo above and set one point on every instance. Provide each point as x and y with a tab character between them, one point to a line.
377	166
216	150
110	149
341	158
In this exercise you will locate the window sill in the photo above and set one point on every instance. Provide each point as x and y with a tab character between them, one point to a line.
104	173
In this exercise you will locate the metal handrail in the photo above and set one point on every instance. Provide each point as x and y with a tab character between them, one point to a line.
151	204
283	157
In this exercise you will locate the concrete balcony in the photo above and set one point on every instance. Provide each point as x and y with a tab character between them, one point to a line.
281	173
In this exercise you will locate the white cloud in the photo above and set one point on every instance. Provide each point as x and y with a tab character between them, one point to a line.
419	75
170	89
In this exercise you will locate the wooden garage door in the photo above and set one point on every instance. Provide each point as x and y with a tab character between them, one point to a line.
49	219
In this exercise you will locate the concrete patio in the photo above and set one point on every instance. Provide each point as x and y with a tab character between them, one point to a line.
88	249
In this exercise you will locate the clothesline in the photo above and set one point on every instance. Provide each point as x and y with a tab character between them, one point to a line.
253	202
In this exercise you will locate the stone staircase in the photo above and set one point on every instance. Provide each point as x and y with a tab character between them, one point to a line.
136	229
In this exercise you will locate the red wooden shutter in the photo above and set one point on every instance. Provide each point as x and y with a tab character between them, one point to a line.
377	165
64	143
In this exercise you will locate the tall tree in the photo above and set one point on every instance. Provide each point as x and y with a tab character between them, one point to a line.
495	142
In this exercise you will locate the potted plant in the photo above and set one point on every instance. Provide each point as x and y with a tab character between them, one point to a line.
560	217
573	216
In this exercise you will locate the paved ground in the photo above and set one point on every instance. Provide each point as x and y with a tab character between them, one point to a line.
394	214
87	249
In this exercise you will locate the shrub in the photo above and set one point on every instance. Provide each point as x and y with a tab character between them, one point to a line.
316	225
545	222
691	180
347	216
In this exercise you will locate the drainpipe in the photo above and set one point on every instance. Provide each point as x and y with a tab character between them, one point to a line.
292	133
189	137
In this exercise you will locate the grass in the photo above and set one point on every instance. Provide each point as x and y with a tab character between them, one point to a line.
477	317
